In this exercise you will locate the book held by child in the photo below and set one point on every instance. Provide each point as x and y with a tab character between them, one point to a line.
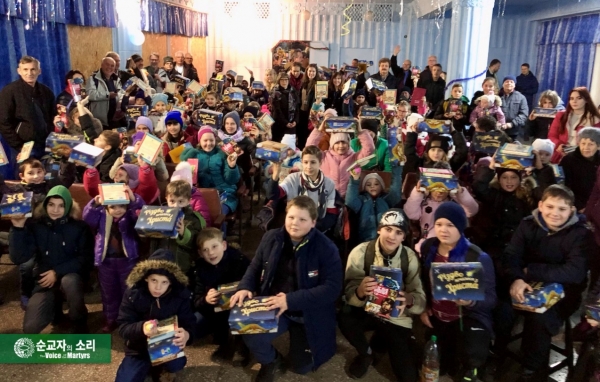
349	88
434	126
271	151
26	151
57	141
160	346
86	155
438	179
457	281
150	148
544	112
113	193
514	156
158	221
340	125
211	118
486	142
253	317
321	89
395	146
382	303
225	293
542	298
16	205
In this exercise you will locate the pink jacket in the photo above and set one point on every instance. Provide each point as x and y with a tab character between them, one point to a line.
418	209
334	166
199	205
560	138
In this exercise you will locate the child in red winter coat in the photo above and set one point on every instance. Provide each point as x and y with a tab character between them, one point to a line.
141	180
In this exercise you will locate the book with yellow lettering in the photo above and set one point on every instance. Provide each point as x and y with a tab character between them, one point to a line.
18	204
457	281
253	317
158	221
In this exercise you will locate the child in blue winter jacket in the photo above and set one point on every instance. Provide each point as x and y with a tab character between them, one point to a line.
371	202
215	169
115	251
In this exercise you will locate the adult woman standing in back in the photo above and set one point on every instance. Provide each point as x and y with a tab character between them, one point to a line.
307	97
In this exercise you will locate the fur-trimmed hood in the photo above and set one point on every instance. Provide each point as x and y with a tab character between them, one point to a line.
497	100
161	267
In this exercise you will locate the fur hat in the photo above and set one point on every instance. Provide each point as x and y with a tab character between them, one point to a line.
592	133
146	122
338	137
289	140
133	173
395	217
203	130
509	77
174	116
161	262
543	145
372	175
168	59
160	97
454	213
183	171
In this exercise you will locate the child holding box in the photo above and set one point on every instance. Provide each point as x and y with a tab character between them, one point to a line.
110	142
219	264
116	249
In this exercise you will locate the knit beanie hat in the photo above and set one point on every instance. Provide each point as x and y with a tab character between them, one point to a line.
370	124
146	122
543	145
512	78
252	110
140	94
440	141
372	175
174	116
133	173
233	115
63	193
289	140
592	133
159	97
502	170
454	213
137	137
394	217
338	137
358	92
183	171
203	130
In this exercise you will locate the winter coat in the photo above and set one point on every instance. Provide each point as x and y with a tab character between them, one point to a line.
26	113
334	166
284	110
527	85
390	82
495	111
139	306
381	162
516	111
230	269
199	205
99	95
108	160
538	128
370	210
65	178
464	251
579	175
147	187
413	161
592	209
100	223
355	273
434	91
551	257
561	138
214	172
90	128
184	138
444	107
335	101
319	282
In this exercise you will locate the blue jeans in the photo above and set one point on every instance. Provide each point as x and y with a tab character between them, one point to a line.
136	368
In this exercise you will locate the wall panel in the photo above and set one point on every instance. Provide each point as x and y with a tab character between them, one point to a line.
87	47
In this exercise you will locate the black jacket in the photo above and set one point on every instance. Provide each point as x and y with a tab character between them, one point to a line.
284	103
231	268
580	175
390	81
22	120
106	164
413	161
65	245
335	101
435	91
399	73
64	98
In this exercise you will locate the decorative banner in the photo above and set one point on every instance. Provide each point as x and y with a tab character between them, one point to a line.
55	348
464	79
345	29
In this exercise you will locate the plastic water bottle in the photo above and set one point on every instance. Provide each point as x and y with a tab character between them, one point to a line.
431	362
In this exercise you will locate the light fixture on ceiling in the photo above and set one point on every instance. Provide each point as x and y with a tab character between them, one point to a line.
369	16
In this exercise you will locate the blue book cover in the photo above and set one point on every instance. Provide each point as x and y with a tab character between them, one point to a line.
158	221
395	146
434	126
349	88
340	125
542	298
434	179
376	85
258	85
135	111
371	112
486	143
559	173
457	281
57	141
216	86
17	204
181	80
225	293
545	112
592	311
382	303
160	346
253	317
271	151
233	97
208	117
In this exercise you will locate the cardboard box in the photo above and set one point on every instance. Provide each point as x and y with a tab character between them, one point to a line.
544	112
543	297
395	146
209	117
433	179
113	194
26	151
135	111
258	85
434	126
457	281
514	156
559	173
371	112
349	88
487	143
375	85
150	148
341	125
254	317
271	151
226	291
158	221
86	155
216	85
160	346
17	204
382	303
57	141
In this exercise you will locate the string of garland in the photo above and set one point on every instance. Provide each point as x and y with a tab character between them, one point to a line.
464	79
345	29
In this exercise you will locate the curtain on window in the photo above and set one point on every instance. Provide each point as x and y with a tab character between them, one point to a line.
566	50
92	13
163	18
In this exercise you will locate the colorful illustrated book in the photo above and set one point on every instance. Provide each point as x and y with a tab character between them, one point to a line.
158	221
487	142
160	346
371	112
225	293
266	121
321	89
249	123
382	303
389	97
434	126
359	163
181	80
16	205
135	111
559	173
3	157
129	155
113	193
171	88
233	96
195	87
454	107
271	151
219	66
57	142
258	85
75	86
253	317
375	85
457	281
216	85
437	179
417	97
395	146
514	156
341	125
349	88
86	155
177	151
229	146
150	148
544	112
208	117
542	298
25	151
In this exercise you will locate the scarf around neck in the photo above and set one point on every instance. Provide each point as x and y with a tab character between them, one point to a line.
308	185
236	137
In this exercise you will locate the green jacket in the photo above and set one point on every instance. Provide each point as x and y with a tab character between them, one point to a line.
381	162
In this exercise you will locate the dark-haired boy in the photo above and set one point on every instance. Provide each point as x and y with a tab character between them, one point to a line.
218	264
551	246
110	142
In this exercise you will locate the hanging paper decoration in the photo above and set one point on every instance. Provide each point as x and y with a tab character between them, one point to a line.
345	29
465	79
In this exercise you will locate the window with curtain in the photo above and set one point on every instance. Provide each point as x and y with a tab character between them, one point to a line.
566	50
38	28
159	17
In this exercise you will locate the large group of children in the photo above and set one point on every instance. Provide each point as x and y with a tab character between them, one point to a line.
522	225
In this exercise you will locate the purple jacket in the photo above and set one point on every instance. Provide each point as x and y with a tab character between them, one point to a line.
95	216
